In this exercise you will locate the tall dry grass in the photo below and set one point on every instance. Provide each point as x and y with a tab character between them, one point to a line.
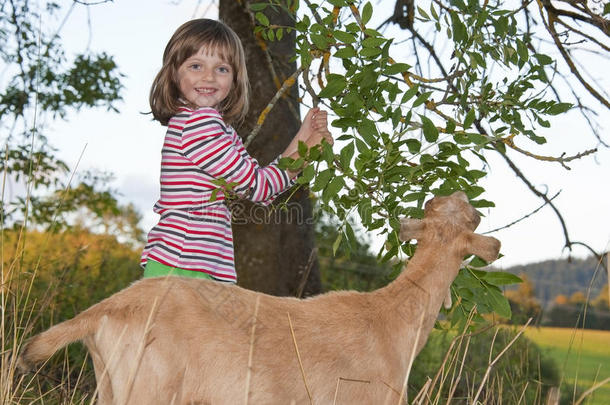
61	380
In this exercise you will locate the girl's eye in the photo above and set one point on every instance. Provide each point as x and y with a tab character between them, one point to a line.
195	66
223	69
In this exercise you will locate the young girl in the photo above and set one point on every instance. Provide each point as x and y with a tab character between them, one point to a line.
201	90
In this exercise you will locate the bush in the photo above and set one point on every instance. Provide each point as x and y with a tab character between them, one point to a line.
570	316
50	277
522	375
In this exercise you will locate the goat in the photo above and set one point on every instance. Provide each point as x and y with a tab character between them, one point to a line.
171	340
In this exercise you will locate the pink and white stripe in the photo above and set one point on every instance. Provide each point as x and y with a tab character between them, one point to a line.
194	231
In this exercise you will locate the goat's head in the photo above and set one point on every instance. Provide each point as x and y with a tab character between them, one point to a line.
451	218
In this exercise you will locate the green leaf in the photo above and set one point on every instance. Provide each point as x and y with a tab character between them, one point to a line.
262	19
498	302
409	94
370	52
322	180
414	145
368	132
450	126
559	108
353	27
501	278
433	11
365	211
470	116
214	194
420	195
460	33
347	52
302	148
477	139
332	189
346	155
327	153
543	59
430	130
336	84
351	237
482	204
421	99
423	13
258	6
396	68
308	174
344	37
607	8
319	41
367	12
372	42
522	50
476	174
337	242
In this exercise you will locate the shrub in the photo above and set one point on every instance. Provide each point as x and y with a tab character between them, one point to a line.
457	365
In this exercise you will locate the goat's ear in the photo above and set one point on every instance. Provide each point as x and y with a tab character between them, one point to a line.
486	247
411	228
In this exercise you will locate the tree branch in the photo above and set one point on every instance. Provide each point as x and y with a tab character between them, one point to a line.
550	26
288	83
508	141
548	201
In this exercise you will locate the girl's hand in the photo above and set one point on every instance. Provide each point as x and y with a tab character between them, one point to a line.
319	125
313	131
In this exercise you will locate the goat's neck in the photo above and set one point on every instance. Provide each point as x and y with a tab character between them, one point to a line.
421	287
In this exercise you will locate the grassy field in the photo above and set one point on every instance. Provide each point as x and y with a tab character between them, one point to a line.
583	357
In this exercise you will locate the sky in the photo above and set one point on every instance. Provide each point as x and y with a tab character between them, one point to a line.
128	143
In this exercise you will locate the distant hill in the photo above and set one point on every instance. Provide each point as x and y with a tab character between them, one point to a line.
554	277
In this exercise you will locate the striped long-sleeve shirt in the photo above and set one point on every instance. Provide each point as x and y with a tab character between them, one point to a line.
202	161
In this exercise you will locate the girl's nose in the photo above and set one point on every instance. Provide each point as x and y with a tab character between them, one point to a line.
207	74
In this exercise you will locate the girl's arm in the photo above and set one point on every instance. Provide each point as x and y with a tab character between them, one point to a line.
210	145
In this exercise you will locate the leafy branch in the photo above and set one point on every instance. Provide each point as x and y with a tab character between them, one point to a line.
410	129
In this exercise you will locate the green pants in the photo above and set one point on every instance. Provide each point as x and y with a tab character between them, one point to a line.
156	269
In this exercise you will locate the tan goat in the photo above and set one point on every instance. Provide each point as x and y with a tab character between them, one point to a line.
185	341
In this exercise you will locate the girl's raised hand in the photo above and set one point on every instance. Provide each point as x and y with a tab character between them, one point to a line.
314	128
313	131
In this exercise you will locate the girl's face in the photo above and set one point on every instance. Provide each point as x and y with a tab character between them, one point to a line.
205	79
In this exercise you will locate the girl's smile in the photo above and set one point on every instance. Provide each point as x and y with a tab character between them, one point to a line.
205	79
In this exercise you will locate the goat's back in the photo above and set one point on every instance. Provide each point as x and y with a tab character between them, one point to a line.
164	340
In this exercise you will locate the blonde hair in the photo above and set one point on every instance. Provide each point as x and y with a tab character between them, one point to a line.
165	96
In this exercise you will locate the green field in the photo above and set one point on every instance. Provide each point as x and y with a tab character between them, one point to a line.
583	356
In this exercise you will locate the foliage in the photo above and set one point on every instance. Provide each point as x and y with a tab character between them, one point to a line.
564	277
50	277
580	278
40	83
71	270
347	269
523	370
577	316
602	301
523	302
91	204
407	135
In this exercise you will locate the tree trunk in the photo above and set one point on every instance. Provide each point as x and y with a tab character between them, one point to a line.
274	249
